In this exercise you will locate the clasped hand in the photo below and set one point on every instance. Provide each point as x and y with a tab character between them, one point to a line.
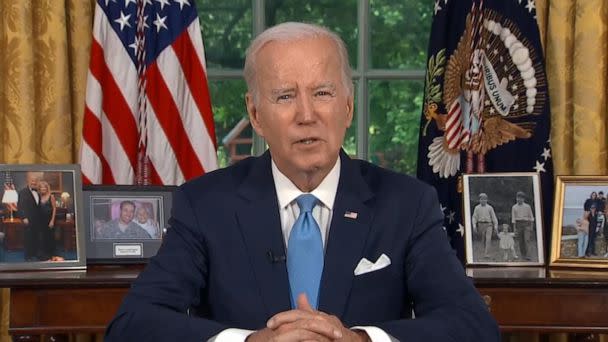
306	324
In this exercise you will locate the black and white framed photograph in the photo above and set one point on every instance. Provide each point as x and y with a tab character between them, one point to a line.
125	223
580	231
41	223
503	221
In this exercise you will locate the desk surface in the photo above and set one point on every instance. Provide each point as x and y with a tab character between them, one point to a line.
521	299
124	275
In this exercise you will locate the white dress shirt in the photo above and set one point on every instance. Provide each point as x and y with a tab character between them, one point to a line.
287	192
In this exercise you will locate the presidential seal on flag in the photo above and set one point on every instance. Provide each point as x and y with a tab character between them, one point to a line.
493	82
486	106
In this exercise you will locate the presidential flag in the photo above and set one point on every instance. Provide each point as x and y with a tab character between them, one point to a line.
148	116
486	106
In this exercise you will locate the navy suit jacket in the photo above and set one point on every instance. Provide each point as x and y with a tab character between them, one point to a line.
213	270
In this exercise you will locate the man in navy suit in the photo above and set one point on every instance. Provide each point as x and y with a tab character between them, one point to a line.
28	210
225	270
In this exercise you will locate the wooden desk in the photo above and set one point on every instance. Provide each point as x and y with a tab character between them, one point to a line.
60	302
560	301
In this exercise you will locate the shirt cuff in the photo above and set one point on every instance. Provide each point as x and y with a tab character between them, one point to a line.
375	334
231	335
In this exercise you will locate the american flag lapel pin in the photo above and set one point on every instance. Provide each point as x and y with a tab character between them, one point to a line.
351	215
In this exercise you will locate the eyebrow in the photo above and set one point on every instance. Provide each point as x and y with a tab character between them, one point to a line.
329	85
278	91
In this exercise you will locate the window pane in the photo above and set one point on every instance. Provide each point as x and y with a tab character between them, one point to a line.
339	16
399	33
233	134
227	30
394	121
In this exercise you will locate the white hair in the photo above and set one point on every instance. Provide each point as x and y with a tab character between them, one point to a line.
291	32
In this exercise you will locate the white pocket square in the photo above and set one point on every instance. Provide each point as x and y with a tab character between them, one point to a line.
366	266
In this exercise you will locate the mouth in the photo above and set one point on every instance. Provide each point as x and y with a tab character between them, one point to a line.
307	141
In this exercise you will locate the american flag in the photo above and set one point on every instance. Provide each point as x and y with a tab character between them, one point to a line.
148	117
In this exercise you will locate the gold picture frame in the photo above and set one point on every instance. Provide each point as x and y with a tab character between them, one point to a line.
572	215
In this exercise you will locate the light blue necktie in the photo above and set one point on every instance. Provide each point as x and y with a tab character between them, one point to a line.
305	253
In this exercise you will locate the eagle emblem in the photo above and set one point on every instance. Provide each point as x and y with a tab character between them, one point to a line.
491	85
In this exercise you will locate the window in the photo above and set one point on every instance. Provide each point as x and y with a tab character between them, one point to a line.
386	40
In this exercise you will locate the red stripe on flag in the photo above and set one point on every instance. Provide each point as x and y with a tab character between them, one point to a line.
86	180
197	80
106	176
92	131
168	117
154	177
114	105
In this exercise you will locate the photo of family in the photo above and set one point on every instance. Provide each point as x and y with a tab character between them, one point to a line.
126	218
503	222
39	217
584	230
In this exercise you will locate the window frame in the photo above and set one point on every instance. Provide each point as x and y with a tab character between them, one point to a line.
362	74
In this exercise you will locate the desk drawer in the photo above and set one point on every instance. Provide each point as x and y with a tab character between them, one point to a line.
36	311
548	310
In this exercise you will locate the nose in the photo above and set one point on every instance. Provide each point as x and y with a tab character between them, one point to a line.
305	112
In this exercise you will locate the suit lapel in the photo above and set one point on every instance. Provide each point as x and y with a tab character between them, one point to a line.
260	225
347	237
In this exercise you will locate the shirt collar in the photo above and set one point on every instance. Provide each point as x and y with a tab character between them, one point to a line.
287	192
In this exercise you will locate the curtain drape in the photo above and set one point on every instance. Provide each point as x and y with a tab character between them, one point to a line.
44	56
576	51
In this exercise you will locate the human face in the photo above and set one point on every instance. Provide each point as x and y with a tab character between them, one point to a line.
32	181
126	213
142	215
483	201
43	188
302	108
520	200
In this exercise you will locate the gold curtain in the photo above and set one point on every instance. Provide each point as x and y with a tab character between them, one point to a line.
45	54
575	41
576	52
44	57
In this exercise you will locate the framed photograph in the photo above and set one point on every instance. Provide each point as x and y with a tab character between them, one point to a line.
41	221
580	231
503	220
125	223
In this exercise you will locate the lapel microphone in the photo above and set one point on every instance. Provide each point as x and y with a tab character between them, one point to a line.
275	258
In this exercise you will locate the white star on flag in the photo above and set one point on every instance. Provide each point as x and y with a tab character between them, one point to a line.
123	20
160	22
163	3
442	208
451	216
135	44
546	153
437	7
530	6
182	3
460	229
540	167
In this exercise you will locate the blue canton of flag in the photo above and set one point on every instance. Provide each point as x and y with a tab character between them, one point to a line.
486	106
163	22
148	117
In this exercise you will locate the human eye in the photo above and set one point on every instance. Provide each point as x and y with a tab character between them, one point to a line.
283	97
324	93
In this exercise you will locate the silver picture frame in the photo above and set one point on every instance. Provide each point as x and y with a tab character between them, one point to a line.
41	221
